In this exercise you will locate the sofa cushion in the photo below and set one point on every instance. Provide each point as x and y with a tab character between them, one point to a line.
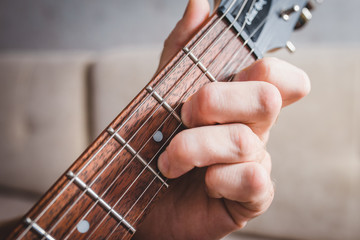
43	121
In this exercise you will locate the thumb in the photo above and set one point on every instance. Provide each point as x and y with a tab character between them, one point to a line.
197	11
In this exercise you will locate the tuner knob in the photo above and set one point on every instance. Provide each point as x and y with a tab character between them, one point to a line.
285	14
290	46
305	16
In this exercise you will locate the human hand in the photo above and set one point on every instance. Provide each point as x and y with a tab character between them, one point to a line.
220	163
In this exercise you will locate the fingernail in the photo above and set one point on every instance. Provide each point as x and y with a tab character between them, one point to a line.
163	163
186	113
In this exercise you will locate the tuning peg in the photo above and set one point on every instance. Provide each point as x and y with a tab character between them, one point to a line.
290	46
285	14
306	14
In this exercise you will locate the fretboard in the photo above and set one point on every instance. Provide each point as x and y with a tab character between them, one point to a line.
109	189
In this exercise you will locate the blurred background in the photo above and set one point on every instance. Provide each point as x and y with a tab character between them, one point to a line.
67	68
103	25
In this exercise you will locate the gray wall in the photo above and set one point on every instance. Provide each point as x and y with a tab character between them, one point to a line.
106	24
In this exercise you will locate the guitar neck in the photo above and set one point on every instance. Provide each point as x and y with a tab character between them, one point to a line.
109	189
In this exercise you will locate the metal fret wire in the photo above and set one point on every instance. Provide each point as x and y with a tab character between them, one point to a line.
129	117
166	119
129	141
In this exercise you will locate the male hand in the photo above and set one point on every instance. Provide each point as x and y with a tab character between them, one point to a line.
220	162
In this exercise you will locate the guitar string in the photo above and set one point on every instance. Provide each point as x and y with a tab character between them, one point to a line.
129	117
252	50
114	158
242	62
165	120
143	211
240	65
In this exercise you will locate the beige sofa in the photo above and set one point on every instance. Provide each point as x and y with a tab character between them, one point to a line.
53	104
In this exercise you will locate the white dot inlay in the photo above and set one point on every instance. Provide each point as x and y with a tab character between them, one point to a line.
158	136
83	226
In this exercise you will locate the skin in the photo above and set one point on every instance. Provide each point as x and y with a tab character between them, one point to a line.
220	164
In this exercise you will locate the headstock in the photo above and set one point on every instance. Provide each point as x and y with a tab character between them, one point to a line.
266	24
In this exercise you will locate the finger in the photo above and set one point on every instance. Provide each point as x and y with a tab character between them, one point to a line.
292	82
246	183
206	146
195	14
256	104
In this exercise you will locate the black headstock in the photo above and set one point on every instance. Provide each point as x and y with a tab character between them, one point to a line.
265	24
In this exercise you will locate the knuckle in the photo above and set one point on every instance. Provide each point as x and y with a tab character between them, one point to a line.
214	181
240	135
257	181
208	99
269	99
210	177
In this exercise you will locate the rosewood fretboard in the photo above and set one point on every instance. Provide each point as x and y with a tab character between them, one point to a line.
108	190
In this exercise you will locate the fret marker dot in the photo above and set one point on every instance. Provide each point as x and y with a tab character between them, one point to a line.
158	136
83	226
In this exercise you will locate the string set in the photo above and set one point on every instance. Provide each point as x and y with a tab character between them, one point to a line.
129	117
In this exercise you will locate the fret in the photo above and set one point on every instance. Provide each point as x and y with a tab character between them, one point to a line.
199	64
38	229
163	103
135	154
100	201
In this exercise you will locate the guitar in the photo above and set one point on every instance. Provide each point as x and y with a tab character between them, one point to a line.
109	189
